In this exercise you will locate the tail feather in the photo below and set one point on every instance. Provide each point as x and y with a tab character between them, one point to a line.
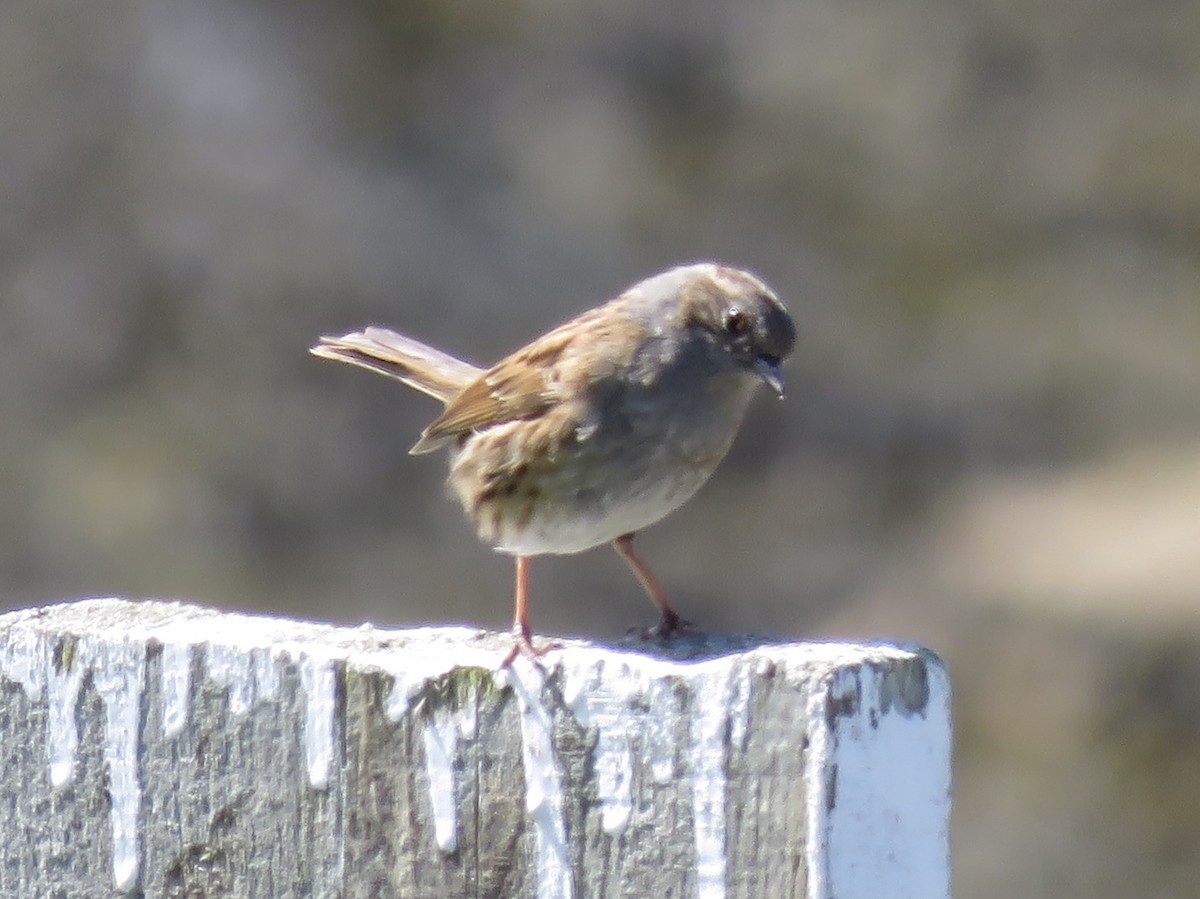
409	361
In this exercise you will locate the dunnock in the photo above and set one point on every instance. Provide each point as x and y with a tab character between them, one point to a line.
600	427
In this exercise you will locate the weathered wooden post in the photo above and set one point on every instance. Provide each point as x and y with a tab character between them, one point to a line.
161	749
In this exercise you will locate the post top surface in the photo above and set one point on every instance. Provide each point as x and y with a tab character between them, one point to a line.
449	646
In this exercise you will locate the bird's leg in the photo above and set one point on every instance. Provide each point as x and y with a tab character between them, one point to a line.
522	638
669	622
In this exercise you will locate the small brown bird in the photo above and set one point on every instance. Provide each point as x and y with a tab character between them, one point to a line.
600	427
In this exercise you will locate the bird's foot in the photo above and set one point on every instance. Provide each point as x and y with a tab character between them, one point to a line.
669	626
523	645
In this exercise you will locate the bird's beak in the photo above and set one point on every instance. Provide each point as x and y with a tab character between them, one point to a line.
767	368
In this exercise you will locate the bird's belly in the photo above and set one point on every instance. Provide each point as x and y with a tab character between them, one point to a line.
576	503
584	521
587	522
590	489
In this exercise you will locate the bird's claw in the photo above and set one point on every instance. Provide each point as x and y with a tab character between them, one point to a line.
669	626
523	645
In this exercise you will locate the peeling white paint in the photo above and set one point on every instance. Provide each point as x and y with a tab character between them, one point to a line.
868	758
543	782
175	684
406	684
892	792
440	734
25	658
62	692
820	773
119	673
878	788
739	706
629	697
659	745
229	667
468	719
243	657
411	672
710	724
266	673
598	694
318	680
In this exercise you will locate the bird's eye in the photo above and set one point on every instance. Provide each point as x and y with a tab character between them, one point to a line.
736	321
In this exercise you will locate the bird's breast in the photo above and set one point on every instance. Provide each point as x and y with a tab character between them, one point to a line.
586	473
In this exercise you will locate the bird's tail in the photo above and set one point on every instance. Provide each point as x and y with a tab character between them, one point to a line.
421	367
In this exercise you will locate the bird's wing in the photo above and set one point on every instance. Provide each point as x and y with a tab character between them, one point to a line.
520	386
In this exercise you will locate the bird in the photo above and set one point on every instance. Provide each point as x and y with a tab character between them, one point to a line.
600	427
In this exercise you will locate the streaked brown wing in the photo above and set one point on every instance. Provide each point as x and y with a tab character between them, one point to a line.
536	377
503	394
519	386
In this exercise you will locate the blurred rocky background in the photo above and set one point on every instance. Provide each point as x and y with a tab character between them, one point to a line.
985	217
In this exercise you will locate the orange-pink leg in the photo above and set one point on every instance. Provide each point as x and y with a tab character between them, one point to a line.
522	637
669	621
520	593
